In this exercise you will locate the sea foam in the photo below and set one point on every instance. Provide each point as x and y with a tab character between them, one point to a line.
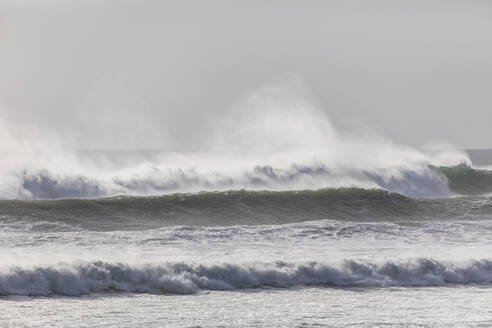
181	278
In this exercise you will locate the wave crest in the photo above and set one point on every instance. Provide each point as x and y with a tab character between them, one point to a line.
180	278
43	184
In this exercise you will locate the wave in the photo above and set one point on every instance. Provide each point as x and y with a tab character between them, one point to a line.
464	180
429	182
236	208
181	278
43	184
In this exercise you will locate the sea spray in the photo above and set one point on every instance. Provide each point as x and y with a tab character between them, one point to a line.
275	138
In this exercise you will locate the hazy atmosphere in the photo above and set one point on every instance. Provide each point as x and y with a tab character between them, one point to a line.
245	163
90	72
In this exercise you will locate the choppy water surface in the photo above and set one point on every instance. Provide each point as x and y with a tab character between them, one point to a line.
332	257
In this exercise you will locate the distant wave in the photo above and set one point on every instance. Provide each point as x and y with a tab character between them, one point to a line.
431	182
181	278
43	184
236	208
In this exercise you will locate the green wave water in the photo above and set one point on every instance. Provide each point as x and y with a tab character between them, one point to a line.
238	208
464	180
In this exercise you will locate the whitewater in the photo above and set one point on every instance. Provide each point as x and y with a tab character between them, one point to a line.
280	219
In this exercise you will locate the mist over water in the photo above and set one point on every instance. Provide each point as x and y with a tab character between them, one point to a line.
274	138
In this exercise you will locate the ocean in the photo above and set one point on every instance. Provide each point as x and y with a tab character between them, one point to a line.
405	245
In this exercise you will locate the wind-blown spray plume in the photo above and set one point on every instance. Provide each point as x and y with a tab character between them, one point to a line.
273	139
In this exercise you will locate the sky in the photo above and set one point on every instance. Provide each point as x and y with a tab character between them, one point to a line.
160	74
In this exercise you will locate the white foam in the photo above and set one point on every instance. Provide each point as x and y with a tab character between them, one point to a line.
180	278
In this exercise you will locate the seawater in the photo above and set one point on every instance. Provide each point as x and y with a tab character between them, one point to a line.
336	257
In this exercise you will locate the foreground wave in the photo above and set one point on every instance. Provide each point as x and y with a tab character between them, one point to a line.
180	278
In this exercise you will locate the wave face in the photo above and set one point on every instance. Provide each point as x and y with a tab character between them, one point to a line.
180	278
464	180
237	208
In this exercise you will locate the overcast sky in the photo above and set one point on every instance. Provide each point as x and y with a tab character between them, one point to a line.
155	74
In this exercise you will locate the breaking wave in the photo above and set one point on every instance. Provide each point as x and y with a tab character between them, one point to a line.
276	138
431	182
424	182
180	278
